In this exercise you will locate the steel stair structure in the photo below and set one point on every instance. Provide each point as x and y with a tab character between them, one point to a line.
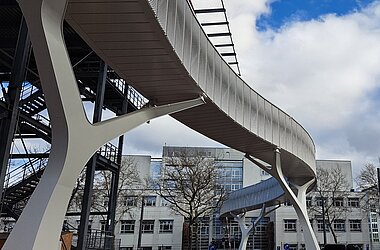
34	125
21	183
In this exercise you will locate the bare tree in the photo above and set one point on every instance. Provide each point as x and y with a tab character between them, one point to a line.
368	183
367	177
128	179
331	190
189	184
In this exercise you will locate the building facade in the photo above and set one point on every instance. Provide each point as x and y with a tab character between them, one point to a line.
156	227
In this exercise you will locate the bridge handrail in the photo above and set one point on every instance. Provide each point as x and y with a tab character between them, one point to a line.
224	87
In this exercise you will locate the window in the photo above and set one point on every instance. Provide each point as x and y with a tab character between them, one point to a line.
293	246
166	226
164	203
164	248
353	202
148	226
290	225
320	226
338	202
131	201
319	200
127	226
340	225
287	203
103	224
355	225
309	201
150	201
375	237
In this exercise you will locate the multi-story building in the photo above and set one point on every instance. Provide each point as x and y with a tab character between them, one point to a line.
163	229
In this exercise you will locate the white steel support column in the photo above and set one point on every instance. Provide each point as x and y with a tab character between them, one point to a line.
244	228
298	200
251	227
74	138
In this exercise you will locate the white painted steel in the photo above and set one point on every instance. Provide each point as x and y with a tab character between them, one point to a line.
297	197
74	138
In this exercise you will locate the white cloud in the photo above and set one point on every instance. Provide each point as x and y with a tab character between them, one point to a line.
324	72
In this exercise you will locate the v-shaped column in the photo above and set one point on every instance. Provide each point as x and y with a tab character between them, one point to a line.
251	227
298	200
74	139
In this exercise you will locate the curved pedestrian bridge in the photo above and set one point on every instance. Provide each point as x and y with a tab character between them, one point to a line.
161	49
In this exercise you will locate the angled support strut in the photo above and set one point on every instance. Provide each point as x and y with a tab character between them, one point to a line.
74	138
251	227
298	199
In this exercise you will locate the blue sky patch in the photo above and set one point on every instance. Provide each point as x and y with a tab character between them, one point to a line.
284	11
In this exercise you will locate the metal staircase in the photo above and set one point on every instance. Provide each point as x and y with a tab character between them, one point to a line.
22	180
20	183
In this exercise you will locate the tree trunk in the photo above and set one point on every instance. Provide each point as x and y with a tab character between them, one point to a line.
333	234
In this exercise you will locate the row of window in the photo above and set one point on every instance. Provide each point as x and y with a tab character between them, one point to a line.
128	226
337	202
149	201
338	225
147	248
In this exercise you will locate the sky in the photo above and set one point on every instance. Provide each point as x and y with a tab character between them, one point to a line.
318	60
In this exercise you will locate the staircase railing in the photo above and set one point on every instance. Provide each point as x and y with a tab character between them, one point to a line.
27	90
137	99
24	171
110	151
102	240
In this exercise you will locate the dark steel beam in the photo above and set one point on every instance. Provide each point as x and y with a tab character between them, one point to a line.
91	165
110	226
214	10
214	23
219	34
31	156
8	125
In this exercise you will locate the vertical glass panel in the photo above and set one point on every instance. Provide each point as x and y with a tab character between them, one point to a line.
282	129
254	111
275	126
217	79
202	61
239	101
261	117
224	86
268	121
232	96
247	106
170	24
194	69
162	13
210	71
187	39
179	28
